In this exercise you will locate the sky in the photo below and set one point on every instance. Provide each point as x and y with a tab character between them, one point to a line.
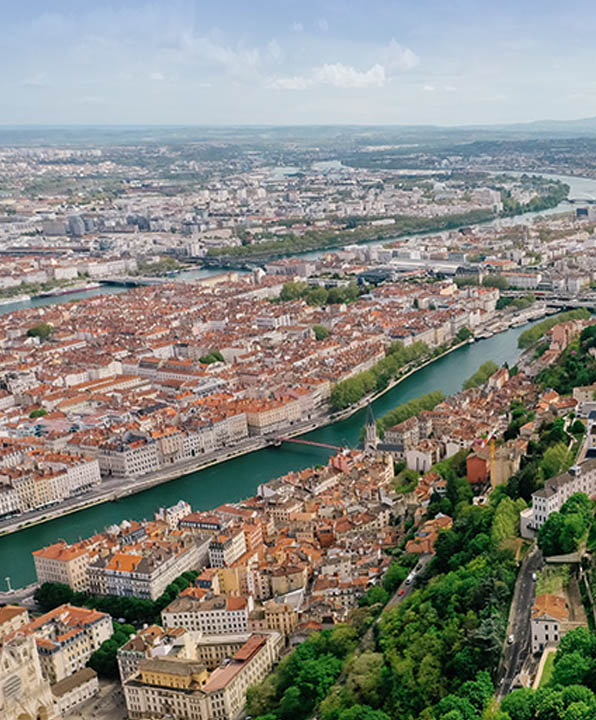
193	62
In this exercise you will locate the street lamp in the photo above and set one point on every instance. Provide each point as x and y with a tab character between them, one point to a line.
7	578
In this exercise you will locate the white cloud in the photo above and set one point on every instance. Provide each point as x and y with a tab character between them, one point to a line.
205	85
297	26
429	88
450	88
336	74
210	51
346	76
397	57
274	50
323	24
157	76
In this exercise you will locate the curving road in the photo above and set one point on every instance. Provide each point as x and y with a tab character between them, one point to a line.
524	595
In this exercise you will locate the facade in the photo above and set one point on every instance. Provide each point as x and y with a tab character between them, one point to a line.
66	637
185	690
63	563
225	549
556	490
548	616
211	615
144	575
24	694
12	617
74	690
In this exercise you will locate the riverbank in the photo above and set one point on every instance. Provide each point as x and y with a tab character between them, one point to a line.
239	477
117	489
113	491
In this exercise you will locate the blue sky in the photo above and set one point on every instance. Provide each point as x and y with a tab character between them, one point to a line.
285	62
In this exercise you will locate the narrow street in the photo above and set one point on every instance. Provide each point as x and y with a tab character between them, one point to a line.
514	654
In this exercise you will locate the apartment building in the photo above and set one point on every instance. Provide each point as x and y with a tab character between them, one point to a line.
63	563
210	614
66	637
185	690
556	491
145	573
12	617
227	548
273	616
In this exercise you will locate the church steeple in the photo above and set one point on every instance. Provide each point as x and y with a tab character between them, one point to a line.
371	439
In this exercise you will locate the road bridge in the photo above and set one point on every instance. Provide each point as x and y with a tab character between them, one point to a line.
134	280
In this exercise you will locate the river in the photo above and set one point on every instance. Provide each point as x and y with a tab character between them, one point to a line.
239	478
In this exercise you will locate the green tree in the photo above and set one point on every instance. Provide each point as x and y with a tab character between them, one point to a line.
481	375
320	331
571	669
42	331
519	704
39	412
464	334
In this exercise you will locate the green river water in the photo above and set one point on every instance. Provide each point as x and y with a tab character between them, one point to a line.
239	478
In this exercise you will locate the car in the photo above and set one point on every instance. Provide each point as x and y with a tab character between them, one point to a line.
534	577
510	640
401	592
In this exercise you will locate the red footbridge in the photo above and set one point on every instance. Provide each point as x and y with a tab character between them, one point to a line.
278	441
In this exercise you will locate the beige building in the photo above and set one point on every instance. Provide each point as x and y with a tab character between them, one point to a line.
12	617
288	579
273	616
63	563
24	692
185	690
75	689
66	637
211	614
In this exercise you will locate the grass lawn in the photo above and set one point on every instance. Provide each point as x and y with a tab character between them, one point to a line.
552	580
547	670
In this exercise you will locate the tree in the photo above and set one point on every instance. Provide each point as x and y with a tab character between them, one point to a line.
578	428
571	669
365	678
375	595
464	334
291	706
320	332
362	712
42	331
394	577
519	704
39	412
481	375
104	659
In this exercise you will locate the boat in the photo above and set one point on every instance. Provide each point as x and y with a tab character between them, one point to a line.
14	299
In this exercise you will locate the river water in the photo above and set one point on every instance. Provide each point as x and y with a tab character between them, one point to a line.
239	478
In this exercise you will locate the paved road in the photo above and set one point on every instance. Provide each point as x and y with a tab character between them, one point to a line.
402	592
120	487
524	595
